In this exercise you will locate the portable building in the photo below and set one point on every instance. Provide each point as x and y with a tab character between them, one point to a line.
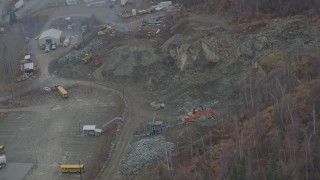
50	36
89	129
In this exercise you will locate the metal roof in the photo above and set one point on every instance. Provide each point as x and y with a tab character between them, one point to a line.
89	127
54	33
28	66
27	57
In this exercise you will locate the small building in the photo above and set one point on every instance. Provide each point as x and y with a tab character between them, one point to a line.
50	36
27	67
153	128
72	2
88	129
91	130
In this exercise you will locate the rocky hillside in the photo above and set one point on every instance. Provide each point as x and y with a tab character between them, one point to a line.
263	79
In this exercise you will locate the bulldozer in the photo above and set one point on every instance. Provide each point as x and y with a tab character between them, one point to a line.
107	30
87	58
199	112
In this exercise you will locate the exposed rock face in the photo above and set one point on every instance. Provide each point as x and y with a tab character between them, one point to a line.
189	52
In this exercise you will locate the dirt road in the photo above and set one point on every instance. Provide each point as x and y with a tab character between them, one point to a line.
136	116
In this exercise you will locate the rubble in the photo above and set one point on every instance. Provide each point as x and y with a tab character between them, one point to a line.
156	105
76	56
144	152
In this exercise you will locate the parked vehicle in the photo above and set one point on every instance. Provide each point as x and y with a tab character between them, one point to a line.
75	168
53	46
3	161
62	92
66	42
47	48
18	5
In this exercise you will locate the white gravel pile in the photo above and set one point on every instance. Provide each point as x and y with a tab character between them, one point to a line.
144	152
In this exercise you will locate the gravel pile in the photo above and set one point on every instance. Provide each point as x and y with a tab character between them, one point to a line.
144	152
76	56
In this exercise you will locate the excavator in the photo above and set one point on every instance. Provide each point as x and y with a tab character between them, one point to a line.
197	113
87	58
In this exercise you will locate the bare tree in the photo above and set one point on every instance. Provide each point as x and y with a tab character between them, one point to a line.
314	120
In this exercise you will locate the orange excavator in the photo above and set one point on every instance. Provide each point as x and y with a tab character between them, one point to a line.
199	112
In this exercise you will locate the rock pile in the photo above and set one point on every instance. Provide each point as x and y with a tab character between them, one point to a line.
143	152
74	56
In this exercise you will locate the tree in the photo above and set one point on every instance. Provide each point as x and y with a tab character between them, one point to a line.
13	18
272	169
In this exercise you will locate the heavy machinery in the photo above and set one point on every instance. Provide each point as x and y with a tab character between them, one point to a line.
1	149
199	112
107	29
87	58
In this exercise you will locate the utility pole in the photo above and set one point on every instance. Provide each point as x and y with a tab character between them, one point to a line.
80	169
83	38
90	81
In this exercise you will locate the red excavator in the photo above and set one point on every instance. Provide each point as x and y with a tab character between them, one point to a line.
198	112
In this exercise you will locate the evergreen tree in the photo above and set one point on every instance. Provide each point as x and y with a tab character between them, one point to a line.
13	18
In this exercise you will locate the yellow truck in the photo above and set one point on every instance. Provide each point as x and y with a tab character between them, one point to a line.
72	168
62	92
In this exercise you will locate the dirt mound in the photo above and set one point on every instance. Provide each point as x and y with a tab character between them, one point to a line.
121	60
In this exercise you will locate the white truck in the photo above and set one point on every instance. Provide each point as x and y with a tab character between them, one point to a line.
3	161
18	5
66	42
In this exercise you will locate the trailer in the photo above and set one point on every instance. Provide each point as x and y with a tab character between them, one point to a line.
123	2
98	4
18	5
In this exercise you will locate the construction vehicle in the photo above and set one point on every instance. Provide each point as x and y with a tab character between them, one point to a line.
1	149
87	58
199	112
3	161
107	29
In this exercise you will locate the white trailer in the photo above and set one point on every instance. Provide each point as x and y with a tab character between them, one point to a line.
123	2
18	5
165	3
98	4
71	2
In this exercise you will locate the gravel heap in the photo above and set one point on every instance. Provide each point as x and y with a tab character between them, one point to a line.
144	152
75	56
